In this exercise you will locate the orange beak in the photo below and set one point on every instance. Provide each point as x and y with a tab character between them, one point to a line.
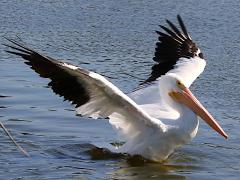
187	98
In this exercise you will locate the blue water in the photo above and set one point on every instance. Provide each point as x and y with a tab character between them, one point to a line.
113	38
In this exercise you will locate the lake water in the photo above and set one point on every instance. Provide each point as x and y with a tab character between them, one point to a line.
115	39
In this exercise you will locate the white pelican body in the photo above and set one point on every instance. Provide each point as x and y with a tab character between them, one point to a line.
156	119
175	124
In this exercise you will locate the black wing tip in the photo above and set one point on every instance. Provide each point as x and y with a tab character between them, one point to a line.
15	42
174	31
18	47
15	53
179	16
174	43
183	27
62	82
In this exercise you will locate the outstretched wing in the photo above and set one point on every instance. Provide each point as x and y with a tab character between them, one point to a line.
173	45
175	53
93	95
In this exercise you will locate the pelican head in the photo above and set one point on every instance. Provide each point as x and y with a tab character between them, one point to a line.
183	96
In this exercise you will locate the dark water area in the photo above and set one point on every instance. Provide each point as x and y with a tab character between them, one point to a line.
115	39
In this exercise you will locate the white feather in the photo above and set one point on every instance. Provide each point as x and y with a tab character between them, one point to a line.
149	97
106	100
150	130
188	69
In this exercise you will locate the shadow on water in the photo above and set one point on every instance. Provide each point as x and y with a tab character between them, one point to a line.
124	166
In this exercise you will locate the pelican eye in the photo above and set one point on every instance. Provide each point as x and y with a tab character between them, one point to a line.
180	85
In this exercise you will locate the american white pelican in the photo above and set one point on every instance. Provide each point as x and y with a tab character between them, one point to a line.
155	119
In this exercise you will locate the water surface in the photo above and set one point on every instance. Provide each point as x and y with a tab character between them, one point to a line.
113	38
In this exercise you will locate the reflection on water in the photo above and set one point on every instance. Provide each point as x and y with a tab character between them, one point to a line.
122	168
156	171
115	39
